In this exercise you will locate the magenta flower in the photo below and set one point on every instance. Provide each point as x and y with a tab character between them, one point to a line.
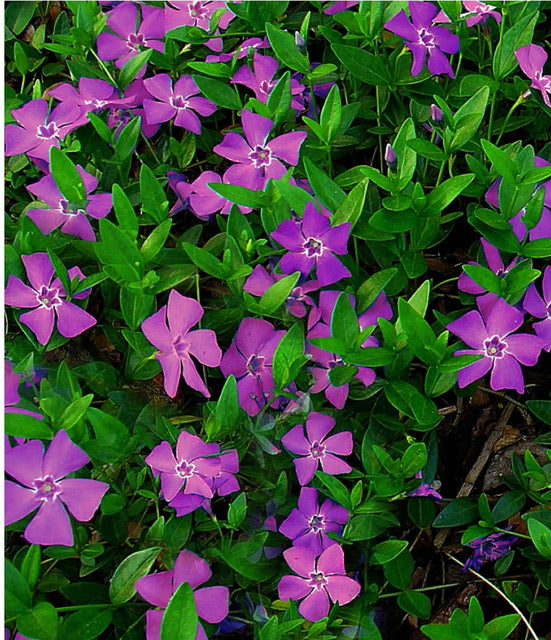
177	343
120	116
11	393
256	158
41	476
495	264
197	13
531	60
47	299
178	103
39	130
317	447
308	525
540	307
311	242
249	358
488	333
190	470
489	548
338	6
479	13
211	603
262	80
72	220
425	490
127	40
422	37
261	280
317	581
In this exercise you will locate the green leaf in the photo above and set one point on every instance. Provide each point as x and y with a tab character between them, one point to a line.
206	261
508	505
329	193
443	195
218	92
17	596
122	585
341	374
363	65
238	558
421	510
501	162
458	512
426	149
367	526
335	489
279	100
371	288
132	67
420	336
276	295
239	195
215	69
74	412
540	408
18	15
541	536
124	212
487	279
399	571
501	628
127	139
387	550
104	132
30	567
352	206
468	117
66	177
237	510
227	411
136	306
60	270
330	117
153	197
415	603
40	623
405	155
369	357
283	45
20	59
288	356
519	35
24	426
155	240
180	618
537	248
344	322
86	624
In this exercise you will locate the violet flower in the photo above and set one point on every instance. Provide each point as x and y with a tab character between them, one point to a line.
128	40
72	220
317	582
490	334
390	157
47	299
262	82
211	603
249	358
425	490
311	242
189	470
197	13
308	525
41	476
178	103
338	6
495	264
481	11
39	130
488	549
422	37
317	447
261	279
436	114
540	307
531	60
120	116
242	51
256	158
11	393
177	343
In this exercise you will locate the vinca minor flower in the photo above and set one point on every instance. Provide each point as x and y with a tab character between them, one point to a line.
540	307
531	60
41	475
479	13
488	549
11	393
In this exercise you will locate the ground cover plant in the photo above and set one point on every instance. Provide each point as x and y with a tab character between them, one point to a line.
278	320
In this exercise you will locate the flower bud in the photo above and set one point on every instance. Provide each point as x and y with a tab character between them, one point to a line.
436	114
390	157
300	44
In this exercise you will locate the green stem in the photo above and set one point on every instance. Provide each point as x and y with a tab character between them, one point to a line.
104	68
381	157
151	149
507	118
313	99
441	172
492	110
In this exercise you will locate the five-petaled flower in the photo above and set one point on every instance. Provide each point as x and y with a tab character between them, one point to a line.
531	59
179	102
423	37
479	13
256	158
47	299
308	525
317	581
488	549
177	343
211	603
312	241
317	447
489	333
41	475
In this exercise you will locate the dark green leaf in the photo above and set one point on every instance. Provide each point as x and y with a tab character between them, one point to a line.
276	295
541	409
370	290
335	489
288	356
468	117
86	624
519	35
239	195
487	279
541	537
133	66
351	207
329	193
206	261
415	603
18	598
218	92
283	45
387	550
363	65
180	618
122	585
344	322
67	178
458	512
24	426
40	623
124	212
153	197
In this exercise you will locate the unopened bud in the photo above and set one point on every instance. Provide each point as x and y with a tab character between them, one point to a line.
300	44
436	114
526	95
390	157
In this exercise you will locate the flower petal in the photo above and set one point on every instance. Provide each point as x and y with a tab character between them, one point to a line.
318	425
19	502
24	462
82	496
315	606
342	589
212	603
51	525
182	313
72	320
156	588
301	561
190	568
507	374
525	347
63	456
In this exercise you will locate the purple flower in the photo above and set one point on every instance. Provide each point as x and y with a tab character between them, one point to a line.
262	279
425	489
311	242
488	333
423	37
130	40
540	307
317	447
339	5
242	52
197	13
319	581
249	358
177	343
211	603
47	299
308	525
11	393
481	11
262	82
72	219
41	476
489	548
258	159
190	470
178	103
495	264
531	60
436	114
390	157
39	130
120	116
